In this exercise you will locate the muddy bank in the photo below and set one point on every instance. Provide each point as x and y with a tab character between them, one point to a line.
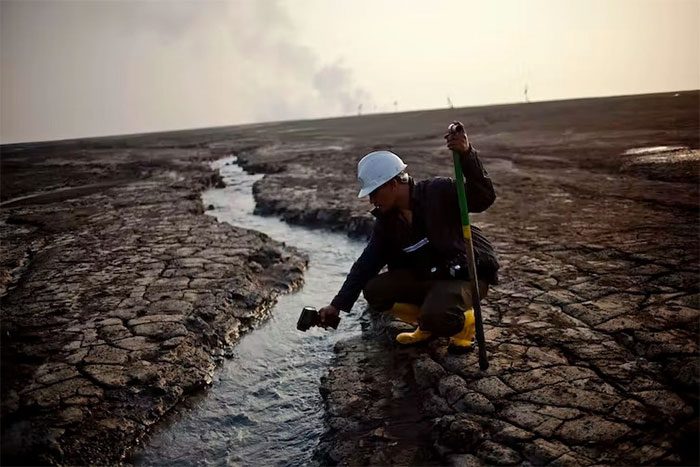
593	329
373	410
119	296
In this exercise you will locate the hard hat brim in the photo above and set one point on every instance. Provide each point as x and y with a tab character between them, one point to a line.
365	192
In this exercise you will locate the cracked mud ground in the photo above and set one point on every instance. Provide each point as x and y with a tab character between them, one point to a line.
592	332
121	296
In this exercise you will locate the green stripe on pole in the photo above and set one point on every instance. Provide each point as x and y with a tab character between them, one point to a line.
466	228
461	192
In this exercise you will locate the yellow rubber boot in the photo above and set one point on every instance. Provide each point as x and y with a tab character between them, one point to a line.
414	337
464	339
406	312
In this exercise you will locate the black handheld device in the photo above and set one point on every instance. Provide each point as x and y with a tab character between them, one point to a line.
309	317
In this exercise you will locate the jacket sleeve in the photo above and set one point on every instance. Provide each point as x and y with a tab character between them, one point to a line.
480	192
370	262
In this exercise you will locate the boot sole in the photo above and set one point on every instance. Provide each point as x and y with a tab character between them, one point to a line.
411	344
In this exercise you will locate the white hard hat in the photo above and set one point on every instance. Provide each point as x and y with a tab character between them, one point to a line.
377	168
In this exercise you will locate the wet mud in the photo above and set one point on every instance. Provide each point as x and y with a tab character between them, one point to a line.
120	296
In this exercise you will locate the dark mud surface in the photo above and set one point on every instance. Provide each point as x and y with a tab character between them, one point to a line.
121	297
593	330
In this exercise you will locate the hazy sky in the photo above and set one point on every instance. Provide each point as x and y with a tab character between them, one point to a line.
84	68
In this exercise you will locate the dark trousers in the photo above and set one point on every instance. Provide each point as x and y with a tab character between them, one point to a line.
442	302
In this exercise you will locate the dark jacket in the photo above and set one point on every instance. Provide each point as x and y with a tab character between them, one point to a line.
434	240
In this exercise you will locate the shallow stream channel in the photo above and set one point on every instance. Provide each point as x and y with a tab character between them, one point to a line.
264	405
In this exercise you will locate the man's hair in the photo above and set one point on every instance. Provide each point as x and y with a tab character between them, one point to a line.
402	177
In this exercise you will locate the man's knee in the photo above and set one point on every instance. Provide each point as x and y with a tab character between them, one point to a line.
373	293
387	288
444	323
443	309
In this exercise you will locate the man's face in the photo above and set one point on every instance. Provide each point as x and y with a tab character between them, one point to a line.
384	197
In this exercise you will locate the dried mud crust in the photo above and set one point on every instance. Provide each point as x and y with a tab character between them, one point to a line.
119	299
593	330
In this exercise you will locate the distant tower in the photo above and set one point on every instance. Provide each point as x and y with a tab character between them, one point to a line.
359	109
527	99
449	103
396	106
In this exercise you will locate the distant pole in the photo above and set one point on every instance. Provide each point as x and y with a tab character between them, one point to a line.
527	99
396	106
449	103
359	110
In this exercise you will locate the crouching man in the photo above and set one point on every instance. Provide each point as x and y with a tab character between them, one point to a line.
418	236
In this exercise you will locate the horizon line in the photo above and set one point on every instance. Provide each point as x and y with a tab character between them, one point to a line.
370	114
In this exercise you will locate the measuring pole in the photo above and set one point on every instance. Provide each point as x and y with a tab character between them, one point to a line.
457	127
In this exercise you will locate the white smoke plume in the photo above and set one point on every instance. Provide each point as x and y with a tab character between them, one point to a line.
81	68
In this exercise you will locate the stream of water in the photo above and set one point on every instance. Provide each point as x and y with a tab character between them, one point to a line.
264	407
